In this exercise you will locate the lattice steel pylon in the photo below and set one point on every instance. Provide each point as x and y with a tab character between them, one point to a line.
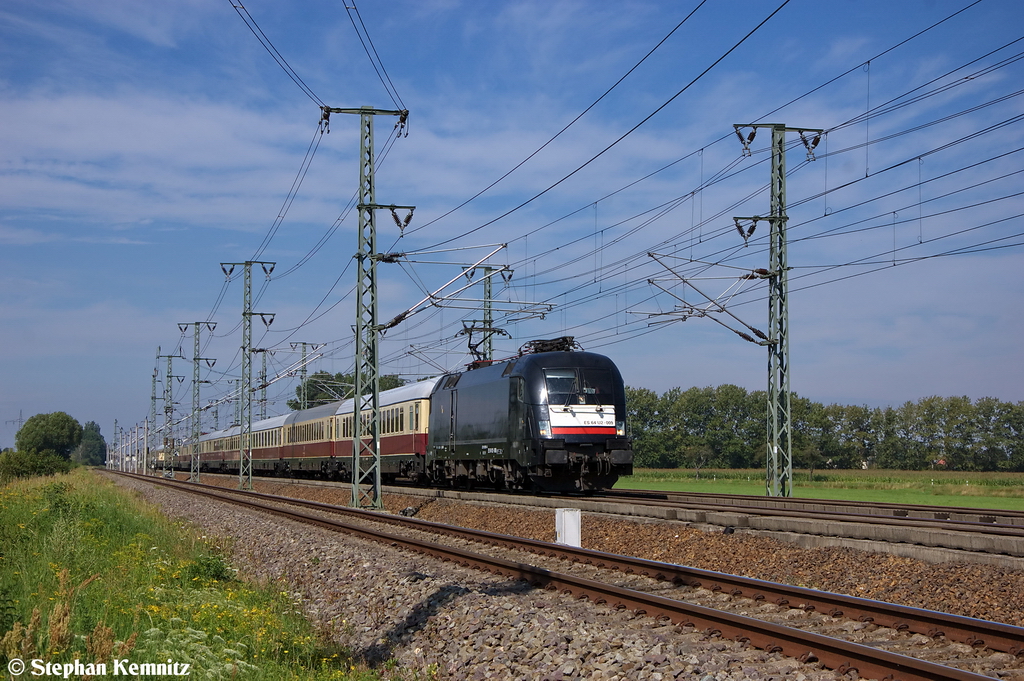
303	389
246	390
779	455
366	446
193	475
168	450
152	407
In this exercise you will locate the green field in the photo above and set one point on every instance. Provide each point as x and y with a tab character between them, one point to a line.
976	490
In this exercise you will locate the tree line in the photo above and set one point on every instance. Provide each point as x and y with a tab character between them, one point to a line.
51	443
725	427
323	387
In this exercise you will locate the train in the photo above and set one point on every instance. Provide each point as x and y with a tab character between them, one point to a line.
550	419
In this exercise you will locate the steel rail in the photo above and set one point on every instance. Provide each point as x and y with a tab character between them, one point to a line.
767	502
842	656
997	529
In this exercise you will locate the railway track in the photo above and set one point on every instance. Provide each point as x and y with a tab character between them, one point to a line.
996	534
919	532
741	608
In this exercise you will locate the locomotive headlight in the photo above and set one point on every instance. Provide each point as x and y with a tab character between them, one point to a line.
545	428
620	428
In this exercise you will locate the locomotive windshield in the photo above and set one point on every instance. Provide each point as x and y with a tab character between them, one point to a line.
579	386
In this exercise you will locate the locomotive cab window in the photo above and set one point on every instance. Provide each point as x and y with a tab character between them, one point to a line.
590	386
561	386
598	386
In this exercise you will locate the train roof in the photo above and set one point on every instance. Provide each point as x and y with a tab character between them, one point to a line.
420	390
312	414
257	426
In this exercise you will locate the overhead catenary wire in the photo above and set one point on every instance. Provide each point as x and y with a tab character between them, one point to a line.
966	137
919	33
806	94
889	168
293	191
564	128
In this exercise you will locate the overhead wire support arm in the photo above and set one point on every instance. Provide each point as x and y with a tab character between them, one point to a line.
326	111
689	310
719	307
435	298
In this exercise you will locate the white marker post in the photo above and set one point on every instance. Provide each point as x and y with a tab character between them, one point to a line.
567	526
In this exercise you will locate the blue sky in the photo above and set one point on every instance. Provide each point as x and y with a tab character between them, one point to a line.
145	143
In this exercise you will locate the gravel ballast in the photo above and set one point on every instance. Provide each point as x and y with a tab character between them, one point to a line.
969	589
434	617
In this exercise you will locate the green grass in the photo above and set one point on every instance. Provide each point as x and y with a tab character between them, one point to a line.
90	572
977	490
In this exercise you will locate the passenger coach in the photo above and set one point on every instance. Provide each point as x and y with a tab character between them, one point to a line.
317	442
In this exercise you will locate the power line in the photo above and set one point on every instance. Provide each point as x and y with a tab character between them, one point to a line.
293	191
375	60
277	56
875	57
886	50
567	126
622	137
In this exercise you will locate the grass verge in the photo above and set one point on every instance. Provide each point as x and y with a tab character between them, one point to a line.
92	573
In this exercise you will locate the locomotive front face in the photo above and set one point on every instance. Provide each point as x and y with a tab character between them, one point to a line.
551	421
579	408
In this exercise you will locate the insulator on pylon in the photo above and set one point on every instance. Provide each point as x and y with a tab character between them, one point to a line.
745	337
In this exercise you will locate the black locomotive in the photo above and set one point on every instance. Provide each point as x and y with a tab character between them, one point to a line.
552	421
